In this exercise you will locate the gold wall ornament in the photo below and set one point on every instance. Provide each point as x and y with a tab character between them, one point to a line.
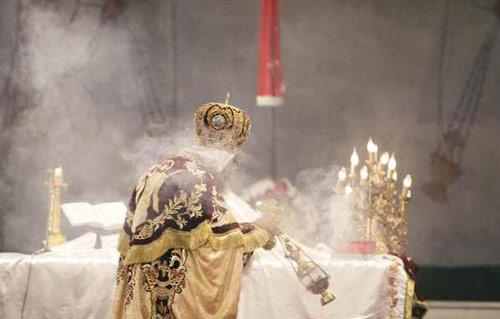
55	237
380	206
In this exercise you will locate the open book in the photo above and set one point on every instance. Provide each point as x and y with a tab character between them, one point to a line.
106	216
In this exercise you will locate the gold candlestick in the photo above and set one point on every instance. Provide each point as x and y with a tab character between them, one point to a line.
55	236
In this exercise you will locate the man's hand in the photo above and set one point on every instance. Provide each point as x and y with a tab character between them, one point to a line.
271	216
269	222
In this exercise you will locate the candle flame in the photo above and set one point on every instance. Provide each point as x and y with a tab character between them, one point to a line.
342	174
384	159
371	147
354	158
58	172
392	162
407	181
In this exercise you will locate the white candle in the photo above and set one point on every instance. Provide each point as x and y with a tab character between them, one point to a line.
384	159
364	173
407	181
406	186
354	161
342	174
395	176
392	165
58	172
371	148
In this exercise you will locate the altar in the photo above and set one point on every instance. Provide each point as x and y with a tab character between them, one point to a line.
79	284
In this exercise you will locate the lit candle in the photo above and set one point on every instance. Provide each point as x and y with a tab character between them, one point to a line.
354	161
342	174
364	174
58	175
406	185
58	172
371	148
395	176
375	152
407	181
392	165
384	159
408	194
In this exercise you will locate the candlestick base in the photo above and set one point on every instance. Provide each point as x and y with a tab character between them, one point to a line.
55	239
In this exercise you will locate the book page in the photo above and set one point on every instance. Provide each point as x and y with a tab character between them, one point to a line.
110	216
79	213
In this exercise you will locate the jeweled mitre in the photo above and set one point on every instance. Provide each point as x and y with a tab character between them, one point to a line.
221	125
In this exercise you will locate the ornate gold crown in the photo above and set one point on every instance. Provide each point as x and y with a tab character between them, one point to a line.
221	125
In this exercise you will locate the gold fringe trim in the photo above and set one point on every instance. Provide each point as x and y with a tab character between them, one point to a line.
410	296
171	238
202	236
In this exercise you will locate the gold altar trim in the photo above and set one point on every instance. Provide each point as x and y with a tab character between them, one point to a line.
396	281
200	236
410	295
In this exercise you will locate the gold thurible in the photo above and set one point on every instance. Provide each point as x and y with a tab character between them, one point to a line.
314	278
55	236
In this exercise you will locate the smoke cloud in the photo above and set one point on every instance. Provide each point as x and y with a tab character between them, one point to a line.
84	97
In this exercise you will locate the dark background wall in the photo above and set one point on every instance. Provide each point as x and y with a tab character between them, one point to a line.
86	94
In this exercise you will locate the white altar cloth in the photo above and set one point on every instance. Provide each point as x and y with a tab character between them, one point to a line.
79	284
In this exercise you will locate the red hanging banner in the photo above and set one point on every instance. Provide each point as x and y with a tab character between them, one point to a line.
270	87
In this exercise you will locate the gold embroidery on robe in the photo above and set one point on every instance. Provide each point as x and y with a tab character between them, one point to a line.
182	257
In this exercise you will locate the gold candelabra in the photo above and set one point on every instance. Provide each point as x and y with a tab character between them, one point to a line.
55	236
379	206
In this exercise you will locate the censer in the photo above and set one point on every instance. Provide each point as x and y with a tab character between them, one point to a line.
314	278
310	273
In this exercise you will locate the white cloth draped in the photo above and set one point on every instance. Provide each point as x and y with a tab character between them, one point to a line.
79	284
